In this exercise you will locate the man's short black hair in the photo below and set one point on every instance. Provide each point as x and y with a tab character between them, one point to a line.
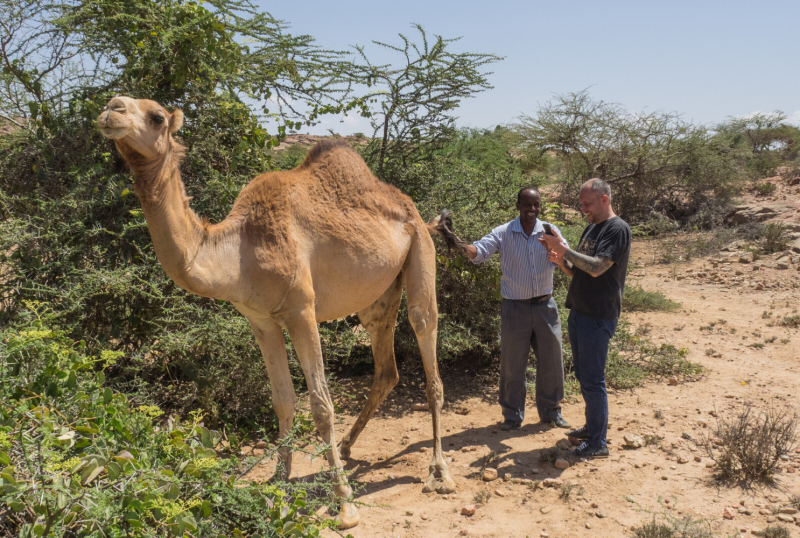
528	188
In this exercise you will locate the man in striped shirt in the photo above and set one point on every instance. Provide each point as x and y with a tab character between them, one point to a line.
529	316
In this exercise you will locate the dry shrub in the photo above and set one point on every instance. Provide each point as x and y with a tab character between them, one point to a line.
774	531
752	443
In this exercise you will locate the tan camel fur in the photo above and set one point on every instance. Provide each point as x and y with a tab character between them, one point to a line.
312	244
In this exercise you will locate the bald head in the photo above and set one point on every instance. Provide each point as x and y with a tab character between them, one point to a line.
598	187
595	201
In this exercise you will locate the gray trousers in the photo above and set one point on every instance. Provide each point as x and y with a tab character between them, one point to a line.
523	326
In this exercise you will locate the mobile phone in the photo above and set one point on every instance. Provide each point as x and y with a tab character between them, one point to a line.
547	229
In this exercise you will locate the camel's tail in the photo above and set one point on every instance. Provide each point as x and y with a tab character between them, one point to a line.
443	225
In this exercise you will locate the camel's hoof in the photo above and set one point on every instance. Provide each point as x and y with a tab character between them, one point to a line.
441	485
344	451
348	517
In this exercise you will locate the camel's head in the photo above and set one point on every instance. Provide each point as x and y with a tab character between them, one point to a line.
140	125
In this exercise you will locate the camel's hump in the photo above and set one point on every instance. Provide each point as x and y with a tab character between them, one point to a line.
322	147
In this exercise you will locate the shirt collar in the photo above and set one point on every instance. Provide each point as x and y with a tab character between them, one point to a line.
516	226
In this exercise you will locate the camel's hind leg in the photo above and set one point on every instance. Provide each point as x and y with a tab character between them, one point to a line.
420	277
269	336
379	320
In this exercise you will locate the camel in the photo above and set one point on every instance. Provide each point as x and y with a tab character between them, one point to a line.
312	244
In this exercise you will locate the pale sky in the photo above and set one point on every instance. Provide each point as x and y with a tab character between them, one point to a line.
705	59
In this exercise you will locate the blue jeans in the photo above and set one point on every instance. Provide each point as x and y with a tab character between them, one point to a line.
589	338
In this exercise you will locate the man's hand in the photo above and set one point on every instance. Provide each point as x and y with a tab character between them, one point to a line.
554	242
445	228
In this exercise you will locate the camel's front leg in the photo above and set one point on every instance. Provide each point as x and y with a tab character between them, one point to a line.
269	336
302	329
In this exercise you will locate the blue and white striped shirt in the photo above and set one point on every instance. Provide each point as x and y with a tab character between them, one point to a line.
526	270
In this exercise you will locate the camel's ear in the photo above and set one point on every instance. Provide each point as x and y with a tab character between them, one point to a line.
176	121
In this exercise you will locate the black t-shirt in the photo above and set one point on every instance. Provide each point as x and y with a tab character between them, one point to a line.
601	297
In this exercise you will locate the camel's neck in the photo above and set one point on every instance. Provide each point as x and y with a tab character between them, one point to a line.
195	258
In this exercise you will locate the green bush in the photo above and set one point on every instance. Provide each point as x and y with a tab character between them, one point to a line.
79	459
637	299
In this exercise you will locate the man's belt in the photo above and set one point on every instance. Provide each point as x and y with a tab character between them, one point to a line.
535	300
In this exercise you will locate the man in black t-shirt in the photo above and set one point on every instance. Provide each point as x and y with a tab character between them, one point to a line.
598	269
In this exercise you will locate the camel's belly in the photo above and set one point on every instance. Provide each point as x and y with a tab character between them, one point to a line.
349	280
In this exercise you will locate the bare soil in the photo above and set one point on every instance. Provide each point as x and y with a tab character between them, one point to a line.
726	325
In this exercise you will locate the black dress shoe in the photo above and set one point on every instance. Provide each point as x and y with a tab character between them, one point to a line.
509	425
559	422
581	433
585	451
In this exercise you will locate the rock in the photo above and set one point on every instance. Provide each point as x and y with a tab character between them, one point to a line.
729	513
419	407
424	517
463	532
788	510
673	381
698	459
489	475
552	483
561	463
682	459
409	512
795	247
546	509
468	510
499	493
764	512
747	257
790	469
782	265
785	518
633	441
754	213
563	444
602	514
261	444
588	525
463	410
687	436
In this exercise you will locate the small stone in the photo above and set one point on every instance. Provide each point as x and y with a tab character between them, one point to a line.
673	381
588	525
561	463
261	444
664	477
552	482
506	477
489	475
788	510
546	509
595	505
424	517
682	459
543	534
499	493
463	532
785	518
687	436
423	449
409	512
602	514
468	510
728	513
790	469
563	444
764	512
633	441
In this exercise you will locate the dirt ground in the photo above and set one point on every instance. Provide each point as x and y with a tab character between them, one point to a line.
724	321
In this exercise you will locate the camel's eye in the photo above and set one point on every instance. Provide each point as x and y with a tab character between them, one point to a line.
157	119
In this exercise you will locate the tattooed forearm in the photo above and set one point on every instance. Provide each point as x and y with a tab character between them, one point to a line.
590	264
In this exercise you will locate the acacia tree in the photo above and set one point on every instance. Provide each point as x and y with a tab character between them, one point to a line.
654	161
417	99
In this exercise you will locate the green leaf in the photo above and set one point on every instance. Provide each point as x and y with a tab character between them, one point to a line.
205	509
16	506
107	394
4	459
100	377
